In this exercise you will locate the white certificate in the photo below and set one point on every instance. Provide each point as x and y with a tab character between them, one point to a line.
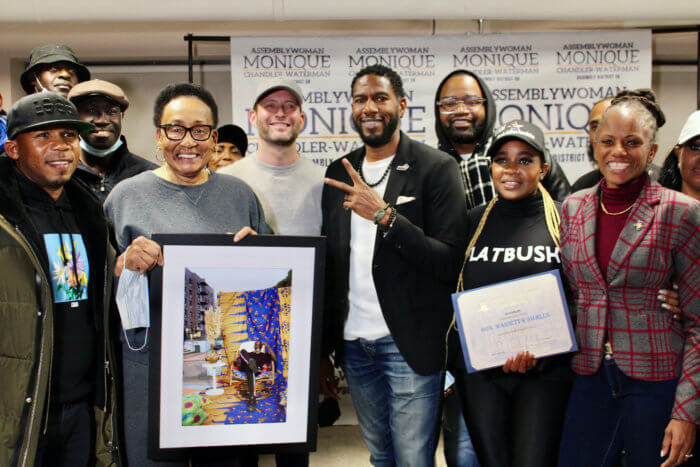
497	321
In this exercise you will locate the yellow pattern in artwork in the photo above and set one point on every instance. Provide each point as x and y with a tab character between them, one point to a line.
233	326
285	295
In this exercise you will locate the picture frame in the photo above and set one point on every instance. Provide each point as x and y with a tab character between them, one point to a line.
235	344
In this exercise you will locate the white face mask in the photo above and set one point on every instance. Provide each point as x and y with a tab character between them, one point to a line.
132	302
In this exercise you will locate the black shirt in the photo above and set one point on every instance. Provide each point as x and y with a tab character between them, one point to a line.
75	335
122	165
514	243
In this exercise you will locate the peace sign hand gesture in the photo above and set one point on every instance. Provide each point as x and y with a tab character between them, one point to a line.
360	197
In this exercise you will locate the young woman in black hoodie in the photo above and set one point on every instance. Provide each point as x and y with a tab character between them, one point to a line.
515	413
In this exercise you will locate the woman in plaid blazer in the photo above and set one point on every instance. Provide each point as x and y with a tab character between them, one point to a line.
638	370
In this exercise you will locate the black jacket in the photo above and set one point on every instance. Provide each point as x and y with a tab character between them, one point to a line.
555	181
415	266
122	165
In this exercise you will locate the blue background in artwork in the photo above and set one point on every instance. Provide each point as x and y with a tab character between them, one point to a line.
52	242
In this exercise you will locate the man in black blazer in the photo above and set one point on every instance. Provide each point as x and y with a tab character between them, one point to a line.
395	219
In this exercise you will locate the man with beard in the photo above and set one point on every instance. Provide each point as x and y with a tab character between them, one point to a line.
55	68
465	116
287	184
104	160
395	220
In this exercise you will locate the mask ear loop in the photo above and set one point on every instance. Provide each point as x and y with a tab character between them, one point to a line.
43	89
126	339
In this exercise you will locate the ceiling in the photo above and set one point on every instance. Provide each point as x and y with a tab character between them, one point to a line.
134	29
236	10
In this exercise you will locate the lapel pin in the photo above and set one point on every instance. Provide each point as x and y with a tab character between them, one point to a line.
402	168
638	225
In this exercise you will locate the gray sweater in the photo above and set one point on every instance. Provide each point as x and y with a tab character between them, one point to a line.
147	204
290	195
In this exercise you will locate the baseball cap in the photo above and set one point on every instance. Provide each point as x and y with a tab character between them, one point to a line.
98	87
51	53
274	84
517	129
691	129
43	109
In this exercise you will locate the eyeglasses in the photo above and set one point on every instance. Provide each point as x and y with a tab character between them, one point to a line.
178	132
449	105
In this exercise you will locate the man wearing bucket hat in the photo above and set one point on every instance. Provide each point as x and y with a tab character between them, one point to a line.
105	159
55	68
54	250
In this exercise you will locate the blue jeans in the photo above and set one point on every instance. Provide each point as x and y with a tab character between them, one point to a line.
608	412
397	408
458	448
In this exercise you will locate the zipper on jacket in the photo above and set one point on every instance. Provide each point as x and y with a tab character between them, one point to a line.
35	392
105	326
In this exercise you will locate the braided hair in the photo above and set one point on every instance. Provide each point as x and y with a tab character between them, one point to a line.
670	176
644	102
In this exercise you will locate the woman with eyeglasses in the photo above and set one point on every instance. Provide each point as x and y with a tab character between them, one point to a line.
637	386
182	196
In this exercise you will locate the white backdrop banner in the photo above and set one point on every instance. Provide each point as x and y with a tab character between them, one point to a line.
550	79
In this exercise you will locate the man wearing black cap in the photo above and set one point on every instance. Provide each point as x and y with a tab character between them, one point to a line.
105	159
55	360
55	68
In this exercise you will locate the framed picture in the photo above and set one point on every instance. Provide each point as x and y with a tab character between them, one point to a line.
236	344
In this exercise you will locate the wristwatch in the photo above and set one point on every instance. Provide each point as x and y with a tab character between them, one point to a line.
379	215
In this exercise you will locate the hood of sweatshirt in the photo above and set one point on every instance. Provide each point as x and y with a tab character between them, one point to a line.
443	142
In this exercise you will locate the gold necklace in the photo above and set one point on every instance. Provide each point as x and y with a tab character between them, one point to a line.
612	213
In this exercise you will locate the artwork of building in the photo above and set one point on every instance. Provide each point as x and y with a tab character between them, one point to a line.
198	297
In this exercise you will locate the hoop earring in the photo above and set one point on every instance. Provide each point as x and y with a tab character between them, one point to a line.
158	151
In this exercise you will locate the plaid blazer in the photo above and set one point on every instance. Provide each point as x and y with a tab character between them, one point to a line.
660	242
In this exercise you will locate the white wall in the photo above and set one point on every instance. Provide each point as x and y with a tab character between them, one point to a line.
676	88
142	84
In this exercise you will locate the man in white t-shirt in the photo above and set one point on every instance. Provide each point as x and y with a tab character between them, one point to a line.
287	184
394	215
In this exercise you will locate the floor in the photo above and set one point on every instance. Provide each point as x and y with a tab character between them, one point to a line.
341	445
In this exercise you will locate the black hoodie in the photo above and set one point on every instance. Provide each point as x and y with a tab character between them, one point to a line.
444	143
476	173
